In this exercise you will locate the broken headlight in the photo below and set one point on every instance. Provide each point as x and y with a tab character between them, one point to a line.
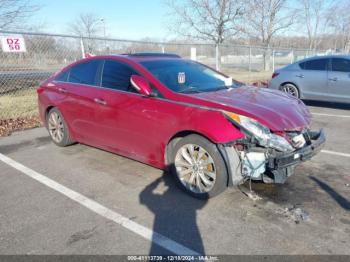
261	133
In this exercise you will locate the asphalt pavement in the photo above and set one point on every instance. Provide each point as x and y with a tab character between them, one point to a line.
82	200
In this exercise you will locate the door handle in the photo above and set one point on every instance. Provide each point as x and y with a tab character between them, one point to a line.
62	90
333	79
300	76
100	101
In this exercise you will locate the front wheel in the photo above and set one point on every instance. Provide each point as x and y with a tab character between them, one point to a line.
198	167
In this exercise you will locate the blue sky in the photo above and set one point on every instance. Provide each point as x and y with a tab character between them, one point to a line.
132	19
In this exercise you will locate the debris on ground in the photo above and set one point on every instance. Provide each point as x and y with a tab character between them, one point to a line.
249	193
253	196
8	126
295	214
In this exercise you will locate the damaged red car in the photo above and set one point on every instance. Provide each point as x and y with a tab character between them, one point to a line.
208	130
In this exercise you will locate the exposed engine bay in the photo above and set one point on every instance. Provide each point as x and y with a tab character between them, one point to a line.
249	161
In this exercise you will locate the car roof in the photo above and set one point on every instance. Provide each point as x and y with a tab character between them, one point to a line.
153	54
323	56
140	57
137	58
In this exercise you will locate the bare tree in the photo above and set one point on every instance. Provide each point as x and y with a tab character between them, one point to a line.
209	20
338	20
87	25
266	18
313	18
13	13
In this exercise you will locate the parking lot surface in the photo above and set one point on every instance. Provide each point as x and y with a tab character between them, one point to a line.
310	214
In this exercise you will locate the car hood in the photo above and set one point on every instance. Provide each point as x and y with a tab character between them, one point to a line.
277	110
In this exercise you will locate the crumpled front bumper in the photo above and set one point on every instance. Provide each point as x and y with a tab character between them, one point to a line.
283	160
279	165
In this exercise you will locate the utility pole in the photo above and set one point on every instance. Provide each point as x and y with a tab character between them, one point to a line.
104	32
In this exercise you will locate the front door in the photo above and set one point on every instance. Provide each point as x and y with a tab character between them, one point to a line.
314	78
339	80
129	123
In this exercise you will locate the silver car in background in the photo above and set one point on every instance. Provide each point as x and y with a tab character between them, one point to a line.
323	78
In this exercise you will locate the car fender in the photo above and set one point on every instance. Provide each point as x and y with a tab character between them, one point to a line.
214	125
211	124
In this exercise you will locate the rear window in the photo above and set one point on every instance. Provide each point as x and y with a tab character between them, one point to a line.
63	77
85	73
315	64
340	65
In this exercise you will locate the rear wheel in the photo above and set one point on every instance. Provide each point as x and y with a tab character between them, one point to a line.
290	89
198	167
58	129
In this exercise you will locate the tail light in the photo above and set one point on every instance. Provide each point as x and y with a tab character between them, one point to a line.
274	74
40	89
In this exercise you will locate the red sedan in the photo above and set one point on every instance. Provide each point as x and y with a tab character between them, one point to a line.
208	130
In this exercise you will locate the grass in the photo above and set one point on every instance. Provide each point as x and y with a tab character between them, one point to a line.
20	103
249	77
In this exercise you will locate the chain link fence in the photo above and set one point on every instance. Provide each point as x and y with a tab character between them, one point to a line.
22	72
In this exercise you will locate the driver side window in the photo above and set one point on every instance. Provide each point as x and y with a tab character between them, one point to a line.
116	75
341	65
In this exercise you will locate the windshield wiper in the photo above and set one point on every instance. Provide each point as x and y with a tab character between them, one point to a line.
217	88
191	91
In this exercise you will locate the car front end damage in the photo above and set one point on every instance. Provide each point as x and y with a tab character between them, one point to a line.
267	156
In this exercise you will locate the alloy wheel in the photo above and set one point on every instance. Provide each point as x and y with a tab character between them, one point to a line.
195	168
291	89
56	127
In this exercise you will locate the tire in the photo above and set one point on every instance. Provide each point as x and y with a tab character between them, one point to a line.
206	176
57	128
291	89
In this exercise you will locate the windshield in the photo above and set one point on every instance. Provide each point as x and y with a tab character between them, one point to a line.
184	76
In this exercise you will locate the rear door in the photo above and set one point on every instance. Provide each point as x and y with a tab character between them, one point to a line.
339	80
79	106
314	78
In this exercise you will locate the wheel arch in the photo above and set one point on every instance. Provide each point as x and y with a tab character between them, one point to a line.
47	110
46	113
172	143
176	137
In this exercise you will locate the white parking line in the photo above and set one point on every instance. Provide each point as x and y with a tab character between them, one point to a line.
138	229
321	114
335	153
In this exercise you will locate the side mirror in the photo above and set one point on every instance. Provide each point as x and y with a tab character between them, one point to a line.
141	85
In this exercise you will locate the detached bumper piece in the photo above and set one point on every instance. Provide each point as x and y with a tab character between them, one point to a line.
281	165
